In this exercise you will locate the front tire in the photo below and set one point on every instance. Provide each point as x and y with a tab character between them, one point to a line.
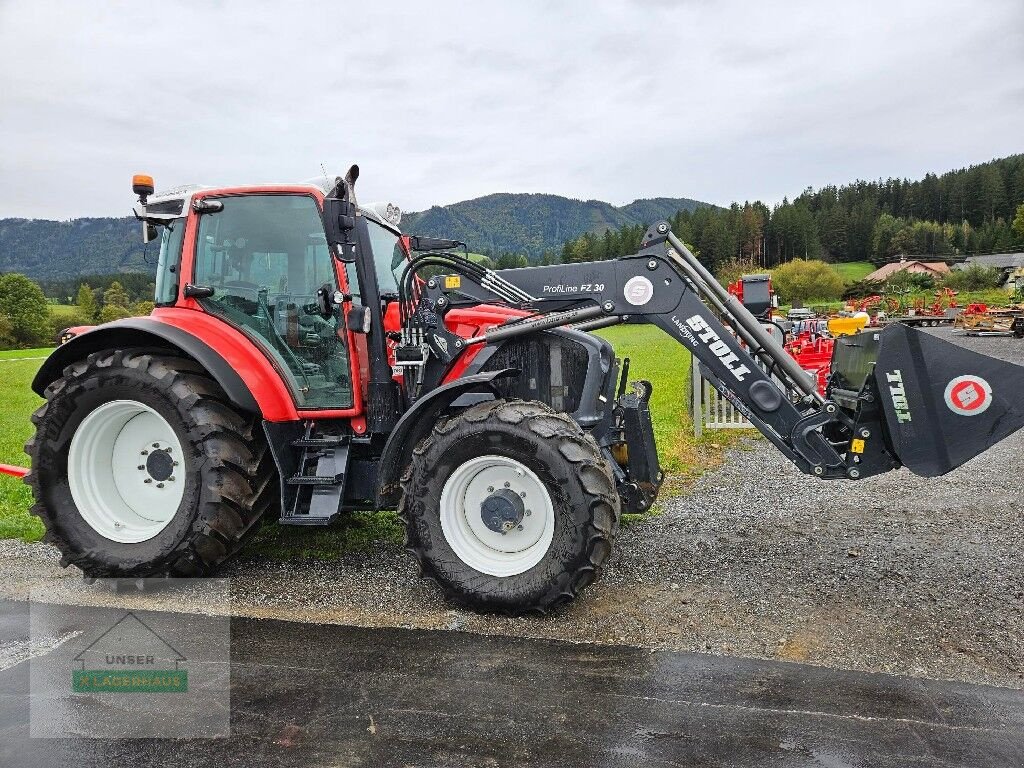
141	467
509	507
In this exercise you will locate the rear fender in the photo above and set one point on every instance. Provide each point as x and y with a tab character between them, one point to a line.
146	332
417	422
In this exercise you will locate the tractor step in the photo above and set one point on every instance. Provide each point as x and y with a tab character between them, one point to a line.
320	481
314	479
326	441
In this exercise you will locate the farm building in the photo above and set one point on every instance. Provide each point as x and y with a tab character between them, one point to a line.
1012	265
914	266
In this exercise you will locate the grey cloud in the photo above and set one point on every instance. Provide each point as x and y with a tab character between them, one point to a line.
440	102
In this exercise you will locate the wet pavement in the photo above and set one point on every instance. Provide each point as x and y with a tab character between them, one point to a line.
316	695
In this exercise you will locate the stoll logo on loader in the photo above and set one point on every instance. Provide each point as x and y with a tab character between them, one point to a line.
714	342
129	657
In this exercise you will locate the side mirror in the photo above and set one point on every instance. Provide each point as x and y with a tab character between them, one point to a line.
149	232
339	221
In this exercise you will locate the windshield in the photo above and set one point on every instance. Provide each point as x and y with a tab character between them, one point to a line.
388	257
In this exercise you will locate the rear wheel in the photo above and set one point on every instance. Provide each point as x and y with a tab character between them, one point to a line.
124	471
509	507
141	467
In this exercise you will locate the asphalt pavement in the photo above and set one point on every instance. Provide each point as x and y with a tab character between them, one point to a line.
304	694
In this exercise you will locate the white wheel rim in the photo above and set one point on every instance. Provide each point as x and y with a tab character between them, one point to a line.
497	553
113	453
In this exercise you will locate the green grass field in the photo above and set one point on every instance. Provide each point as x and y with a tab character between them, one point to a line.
17	401
654	356
63	310
852	271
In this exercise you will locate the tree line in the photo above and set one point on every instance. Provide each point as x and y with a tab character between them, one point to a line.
971	210
28	318
64	290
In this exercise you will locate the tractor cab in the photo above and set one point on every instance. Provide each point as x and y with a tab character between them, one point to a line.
258	259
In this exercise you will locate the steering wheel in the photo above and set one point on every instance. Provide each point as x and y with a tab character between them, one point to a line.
241	284
241	287
244	294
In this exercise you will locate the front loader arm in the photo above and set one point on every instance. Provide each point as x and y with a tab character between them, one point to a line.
657	286
867	425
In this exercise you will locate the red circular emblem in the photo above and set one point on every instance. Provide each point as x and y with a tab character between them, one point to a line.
968	395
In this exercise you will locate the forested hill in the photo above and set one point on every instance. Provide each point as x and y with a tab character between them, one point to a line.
969	210
526	224
52	249
532	224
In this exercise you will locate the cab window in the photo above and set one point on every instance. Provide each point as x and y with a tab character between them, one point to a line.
265	256
388	257
169	262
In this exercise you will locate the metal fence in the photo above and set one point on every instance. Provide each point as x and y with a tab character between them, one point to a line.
709	409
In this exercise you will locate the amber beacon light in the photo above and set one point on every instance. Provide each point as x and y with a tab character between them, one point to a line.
142	185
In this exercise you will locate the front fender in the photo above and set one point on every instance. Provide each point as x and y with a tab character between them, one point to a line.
417	422
143	332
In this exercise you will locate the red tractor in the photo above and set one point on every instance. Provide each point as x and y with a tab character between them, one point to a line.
306	358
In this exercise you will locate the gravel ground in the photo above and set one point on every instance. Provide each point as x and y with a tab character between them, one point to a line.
895	573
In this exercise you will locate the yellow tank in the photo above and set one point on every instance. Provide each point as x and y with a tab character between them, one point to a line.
845	326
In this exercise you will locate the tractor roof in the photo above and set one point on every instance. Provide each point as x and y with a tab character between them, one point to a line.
176	200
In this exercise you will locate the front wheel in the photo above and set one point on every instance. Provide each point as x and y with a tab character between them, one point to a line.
509	506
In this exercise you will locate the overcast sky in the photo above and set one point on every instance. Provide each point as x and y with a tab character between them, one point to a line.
440	101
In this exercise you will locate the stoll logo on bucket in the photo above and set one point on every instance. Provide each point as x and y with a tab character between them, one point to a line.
968	395
129	657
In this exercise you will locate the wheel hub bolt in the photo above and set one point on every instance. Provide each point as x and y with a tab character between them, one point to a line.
159	485
148	480
144	453
508	485
523	494
490	489
156	445
142	466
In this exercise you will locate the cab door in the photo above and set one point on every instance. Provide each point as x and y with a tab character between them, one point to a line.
266	258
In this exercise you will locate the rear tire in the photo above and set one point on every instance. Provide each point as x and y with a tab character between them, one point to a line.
456	483
88	475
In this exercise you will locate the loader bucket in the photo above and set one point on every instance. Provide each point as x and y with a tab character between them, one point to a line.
942	404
